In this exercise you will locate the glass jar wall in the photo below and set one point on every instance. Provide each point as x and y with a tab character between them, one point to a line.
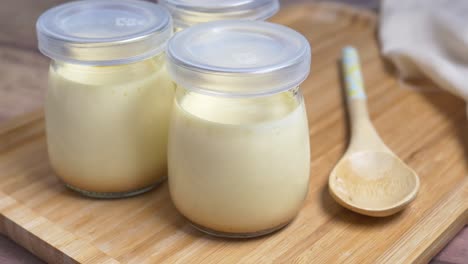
107	126
239	166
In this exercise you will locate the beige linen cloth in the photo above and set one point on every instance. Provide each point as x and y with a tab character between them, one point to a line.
428	40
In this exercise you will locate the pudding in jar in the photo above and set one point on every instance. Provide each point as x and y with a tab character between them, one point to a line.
109	96
243	168
238	153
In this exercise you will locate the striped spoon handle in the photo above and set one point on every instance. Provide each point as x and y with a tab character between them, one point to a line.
352	74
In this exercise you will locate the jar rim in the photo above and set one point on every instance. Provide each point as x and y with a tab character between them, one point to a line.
187	13
238	58
104	32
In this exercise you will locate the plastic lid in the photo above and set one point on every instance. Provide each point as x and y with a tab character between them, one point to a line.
187	13
238	58
104	32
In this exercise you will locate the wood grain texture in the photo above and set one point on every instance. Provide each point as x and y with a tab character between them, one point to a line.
427	130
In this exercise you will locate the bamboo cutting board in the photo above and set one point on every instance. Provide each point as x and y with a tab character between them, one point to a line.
427	130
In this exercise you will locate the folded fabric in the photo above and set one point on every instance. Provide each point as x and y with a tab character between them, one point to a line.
428	39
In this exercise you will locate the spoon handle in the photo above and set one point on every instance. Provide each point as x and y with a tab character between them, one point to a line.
363	134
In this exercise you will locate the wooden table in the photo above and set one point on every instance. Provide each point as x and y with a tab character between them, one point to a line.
23	71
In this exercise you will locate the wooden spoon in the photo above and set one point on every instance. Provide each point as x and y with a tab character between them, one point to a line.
369	179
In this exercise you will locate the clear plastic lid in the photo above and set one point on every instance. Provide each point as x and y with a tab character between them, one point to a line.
104	32
238	58
187	13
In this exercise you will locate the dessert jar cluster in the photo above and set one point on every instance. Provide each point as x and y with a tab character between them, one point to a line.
215	108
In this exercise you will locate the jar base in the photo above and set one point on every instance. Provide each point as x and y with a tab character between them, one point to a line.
221	234
114	195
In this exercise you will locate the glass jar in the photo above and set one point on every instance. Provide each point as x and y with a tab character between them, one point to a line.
187	13
238	153
109	96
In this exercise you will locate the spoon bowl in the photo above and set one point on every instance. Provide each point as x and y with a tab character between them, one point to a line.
373	183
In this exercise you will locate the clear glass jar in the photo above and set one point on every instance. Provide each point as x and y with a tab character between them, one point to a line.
109	96
238	153
187	13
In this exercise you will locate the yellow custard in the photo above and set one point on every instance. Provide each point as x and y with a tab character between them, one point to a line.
107	126
239	165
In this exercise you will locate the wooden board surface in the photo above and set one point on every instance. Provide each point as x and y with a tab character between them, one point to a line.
427	130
